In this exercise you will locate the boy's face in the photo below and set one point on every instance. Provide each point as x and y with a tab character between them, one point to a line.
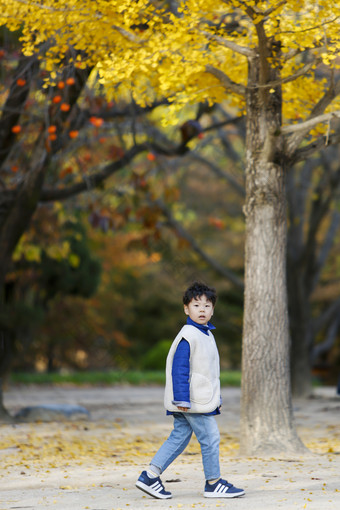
200	310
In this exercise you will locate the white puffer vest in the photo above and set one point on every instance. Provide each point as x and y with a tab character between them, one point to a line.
204	371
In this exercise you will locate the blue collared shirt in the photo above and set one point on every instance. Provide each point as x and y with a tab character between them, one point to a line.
202	327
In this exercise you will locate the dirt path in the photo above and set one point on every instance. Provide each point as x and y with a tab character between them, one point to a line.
94	464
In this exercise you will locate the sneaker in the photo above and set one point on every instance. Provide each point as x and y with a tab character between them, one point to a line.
152	486
222	489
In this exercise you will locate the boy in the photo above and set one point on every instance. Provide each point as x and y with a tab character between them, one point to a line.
192	395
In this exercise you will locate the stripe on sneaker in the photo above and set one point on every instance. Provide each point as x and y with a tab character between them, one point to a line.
156	486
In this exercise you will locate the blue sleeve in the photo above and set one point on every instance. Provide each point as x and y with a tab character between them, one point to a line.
181	374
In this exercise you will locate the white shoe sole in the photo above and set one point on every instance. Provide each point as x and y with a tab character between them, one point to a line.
223	494
146	488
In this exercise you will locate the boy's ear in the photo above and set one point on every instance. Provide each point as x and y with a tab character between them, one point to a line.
186	310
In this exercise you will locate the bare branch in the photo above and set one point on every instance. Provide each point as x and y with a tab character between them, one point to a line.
226	81
220	173
309	29
128	35
310	123
274	8
327	316
226	273
115	111
298	133
242	50
330	339
218	125
325	193
302	72
92	181
327	244
15	101
292	53
252	10
331	93
315	146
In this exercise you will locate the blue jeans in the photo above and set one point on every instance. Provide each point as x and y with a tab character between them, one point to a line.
208	436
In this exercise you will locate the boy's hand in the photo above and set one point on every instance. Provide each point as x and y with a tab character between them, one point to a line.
183	409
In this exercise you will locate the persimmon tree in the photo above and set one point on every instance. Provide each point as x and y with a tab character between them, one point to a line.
261	57
57	142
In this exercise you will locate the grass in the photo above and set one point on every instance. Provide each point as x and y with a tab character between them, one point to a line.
109	377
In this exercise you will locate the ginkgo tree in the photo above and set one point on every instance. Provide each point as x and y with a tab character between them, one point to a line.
275	62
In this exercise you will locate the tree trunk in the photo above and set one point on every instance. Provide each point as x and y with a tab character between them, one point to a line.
266	408
5	358
298	186
5	417
300	320
13	226
301	369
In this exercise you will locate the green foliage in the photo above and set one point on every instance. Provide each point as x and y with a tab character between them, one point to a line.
78	274
155	358
133	377
39	285
26	315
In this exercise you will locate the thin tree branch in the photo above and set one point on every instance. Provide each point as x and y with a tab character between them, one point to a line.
293	53
315	146
327	316
327	245
92	181
325	191
229	149
315	27
115	111
237	88
316	116
310	123
329	341
226	273
220	173
252	10
242	50
274	8
218	125
16	99
272	84
96	179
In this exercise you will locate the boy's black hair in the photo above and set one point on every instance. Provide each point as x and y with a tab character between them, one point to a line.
197	289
